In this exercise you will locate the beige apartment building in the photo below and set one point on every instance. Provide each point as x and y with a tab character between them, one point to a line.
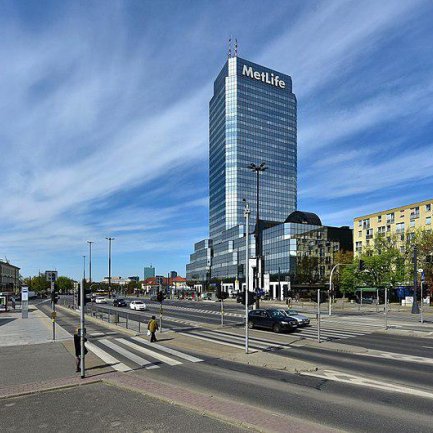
399	221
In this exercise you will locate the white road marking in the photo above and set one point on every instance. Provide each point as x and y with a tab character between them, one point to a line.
398	357
151	353
428	347
253	341
339	376
106	357
96	334
127	354
169	350
224	343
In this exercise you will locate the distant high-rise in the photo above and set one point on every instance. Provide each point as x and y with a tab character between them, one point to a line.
252	119
148	272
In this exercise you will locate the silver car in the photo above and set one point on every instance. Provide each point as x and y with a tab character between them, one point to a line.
301	319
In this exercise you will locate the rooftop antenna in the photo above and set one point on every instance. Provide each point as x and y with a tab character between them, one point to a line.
236	47
230	47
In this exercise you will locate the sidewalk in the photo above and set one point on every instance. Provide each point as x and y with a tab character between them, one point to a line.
36	329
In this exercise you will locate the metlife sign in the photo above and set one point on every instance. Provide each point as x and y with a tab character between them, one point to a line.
265	77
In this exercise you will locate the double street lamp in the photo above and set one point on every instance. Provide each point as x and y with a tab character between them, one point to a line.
258	169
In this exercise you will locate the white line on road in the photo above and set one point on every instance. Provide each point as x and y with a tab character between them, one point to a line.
169	350
224	343
339	376
156	355
106	357
398	357
127	354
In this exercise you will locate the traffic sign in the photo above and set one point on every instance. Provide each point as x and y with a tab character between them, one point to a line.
51	276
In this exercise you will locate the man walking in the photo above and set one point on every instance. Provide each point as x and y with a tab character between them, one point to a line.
77	344
152	327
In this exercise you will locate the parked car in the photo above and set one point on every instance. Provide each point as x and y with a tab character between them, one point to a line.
119	302
100	300
276	320
300	318
137	305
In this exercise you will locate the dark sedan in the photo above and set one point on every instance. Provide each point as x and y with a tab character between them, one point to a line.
119	303
273	319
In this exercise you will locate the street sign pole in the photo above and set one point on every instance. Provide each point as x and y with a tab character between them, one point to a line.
318	315
222	309
160	317
53	315
247	269
386	308
82	330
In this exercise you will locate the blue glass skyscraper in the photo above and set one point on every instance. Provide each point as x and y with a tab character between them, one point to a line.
252	119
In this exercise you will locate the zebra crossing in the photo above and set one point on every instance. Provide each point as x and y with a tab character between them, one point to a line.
266	340
131	353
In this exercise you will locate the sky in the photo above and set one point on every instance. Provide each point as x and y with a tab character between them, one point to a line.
104	119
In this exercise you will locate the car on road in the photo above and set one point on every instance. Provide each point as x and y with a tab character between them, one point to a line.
137	305
300	318
119	302
270	318
100	300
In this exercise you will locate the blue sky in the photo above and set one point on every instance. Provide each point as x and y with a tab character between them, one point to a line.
104	118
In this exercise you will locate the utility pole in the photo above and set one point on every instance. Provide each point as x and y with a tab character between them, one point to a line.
109	265
246	270
318	315
90	261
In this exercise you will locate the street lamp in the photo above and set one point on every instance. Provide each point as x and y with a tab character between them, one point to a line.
246	271
331	284
415	307
258	169
90	261
109	265
84	267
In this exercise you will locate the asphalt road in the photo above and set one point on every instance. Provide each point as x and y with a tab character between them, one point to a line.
358	406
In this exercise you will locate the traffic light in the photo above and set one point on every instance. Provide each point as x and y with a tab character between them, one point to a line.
160	296
54	295
323	296
286	292
251	298
221	294
361	266
86	292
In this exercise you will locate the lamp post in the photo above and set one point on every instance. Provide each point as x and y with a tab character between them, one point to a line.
246	271
415	307
84	267
109	265
330	286
258	169
90	261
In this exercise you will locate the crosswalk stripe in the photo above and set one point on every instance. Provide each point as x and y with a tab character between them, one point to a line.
169	350
127	354
106	357
224	343
151	353
263	344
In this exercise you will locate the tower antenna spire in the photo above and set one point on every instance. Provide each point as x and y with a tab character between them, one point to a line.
236	47
230	47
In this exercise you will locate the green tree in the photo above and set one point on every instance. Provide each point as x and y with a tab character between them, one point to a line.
37	283
65	284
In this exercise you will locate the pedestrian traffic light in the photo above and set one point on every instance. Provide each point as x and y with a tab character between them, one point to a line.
54	297
251	298
86	292
361	265
323	296
160	296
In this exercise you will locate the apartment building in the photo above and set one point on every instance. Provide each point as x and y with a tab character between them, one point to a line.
398	222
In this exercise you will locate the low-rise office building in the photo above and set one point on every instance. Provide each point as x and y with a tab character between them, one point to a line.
9	277
398	223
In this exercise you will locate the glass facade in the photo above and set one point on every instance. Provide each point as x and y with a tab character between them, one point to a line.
252	119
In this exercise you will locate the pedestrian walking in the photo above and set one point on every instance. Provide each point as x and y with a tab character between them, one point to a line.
152	327
77	344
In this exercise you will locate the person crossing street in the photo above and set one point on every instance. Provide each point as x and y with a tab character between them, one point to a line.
152	327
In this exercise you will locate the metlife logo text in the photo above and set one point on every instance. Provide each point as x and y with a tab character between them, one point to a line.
265	77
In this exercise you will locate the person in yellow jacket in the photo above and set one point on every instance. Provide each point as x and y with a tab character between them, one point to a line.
152	327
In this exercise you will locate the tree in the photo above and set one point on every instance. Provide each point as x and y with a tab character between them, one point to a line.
37	283
65	284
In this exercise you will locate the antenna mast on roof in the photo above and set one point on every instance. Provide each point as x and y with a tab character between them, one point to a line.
236	47
230	47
